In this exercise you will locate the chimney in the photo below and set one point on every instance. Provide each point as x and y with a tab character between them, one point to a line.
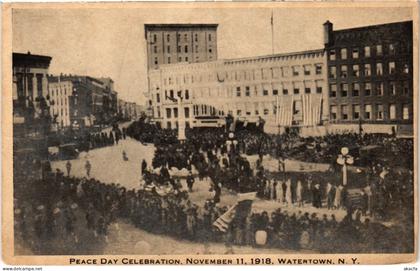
328	33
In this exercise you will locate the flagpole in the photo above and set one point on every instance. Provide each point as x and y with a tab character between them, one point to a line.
272	33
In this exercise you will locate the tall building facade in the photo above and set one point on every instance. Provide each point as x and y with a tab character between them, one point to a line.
370	77
284	90
60	92
175	43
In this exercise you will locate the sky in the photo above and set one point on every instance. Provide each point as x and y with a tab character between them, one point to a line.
105	42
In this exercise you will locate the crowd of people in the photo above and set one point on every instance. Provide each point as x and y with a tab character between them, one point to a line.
77	216
80	210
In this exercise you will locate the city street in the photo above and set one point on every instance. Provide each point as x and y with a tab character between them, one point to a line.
127	174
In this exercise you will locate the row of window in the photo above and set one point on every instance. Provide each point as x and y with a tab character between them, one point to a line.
186	36
171	95
179	49
367	89
58	111
368	51
58	92
368	114
248	75
60	101
366	70
274	92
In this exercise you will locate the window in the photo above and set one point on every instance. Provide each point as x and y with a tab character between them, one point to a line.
332	55
158	98
333	112
379	69
209	37
155	49
343	53
356	71
391	49
318	89
171	93
186	58
343	73
185	37
318	68
356	111
210	51
179	48
333	72
265	111
355	53
275	92
180	59
285	91
367	51
196	37
175	112
344	112
379	89
356	90
378	50
379	112
391	67
238	112
238	91
307	70
168	38
169	60
186	49
392	88
367	70
392	111
196	49
406	88
368	111
307	90
295	70
187	94
154	38
168	113
296	91
368	89
265	92
39	84
168	49
247	91
156	60
406	114
333	90
344	90
187	112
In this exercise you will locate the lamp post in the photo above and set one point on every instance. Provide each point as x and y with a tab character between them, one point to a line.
345	159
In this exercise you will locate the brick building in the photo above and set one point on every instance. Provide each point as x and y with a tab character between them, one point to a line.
370	77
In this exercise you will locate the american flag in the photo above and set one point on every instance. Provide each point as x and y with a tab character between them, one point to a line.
311	107
238	211
284	111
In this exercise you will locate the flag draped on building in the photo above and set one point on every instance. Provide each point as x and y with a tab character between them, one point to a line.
239	211
285	111
311	107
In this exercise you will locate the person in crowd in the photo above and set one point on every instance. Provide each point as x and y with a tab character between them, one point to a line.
190	181
88	168
68	167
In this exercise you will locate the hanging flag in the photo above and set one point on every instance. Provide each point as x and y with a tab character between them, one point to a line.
311	104
239	211
285	111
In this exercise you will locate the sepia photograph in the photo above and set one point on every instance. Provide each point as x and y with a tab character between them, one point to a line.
219	129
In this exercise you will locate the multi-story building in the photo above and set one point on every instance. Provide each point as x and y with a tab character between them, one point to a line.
60	92
284	90
110	99
30	84
174	43
370	77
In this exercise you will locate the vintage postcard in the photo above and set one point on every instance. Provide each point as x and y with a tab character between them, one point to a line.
244	133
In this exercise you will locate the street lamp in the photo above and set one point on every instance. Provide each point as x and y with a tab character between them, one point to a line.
345	159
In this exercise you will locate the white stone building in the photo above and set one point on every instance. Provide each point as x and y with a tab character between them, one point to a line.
59	92
285	90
